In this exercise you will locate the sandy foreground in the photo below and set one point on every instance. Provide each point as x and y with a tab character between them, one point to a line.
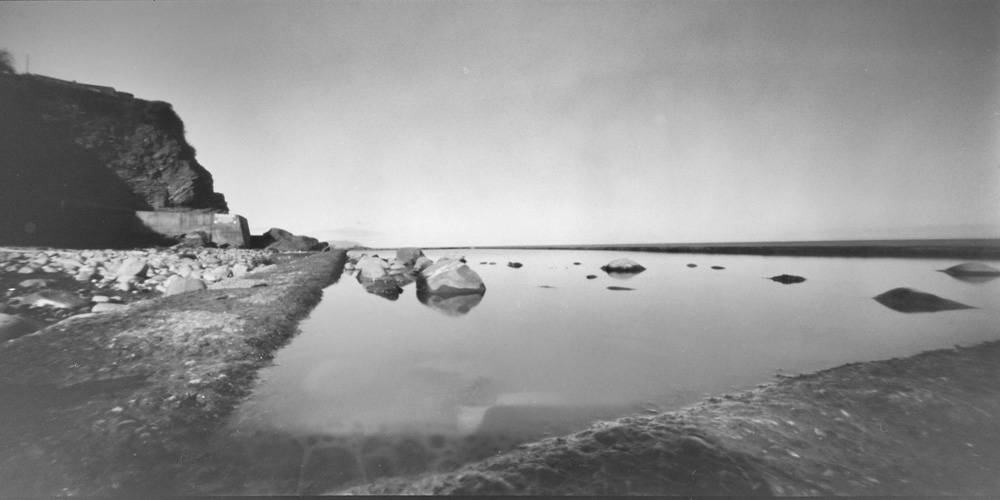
124	403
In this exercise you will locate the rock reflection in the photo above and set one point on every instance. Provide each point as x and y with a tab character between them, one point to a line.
450	305
619	275
388	287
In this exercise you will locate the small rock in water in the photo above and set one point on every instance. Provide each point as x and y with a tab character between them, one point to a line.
591	277
623	266
515	265
620	288
692	265
787	279
717	267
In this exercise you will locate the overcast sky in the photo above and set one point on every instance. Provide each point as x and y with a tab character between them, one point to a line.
484	123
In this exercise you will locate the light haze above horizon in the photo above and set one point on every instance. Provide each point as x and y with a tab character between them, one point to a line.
453	123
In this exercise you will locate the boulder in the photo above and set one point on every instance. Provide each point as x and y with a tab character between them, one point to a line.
12	326
371	267
32	283
106	307
450	277
973	272
284	241
908	300
177	284
55	298
408	255
622	266
240	269
515	265
972	268
422	263
787	279
454	256
132	267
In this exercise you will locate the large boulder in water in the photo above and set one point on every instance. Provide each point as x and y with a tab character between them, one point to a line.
908	300
623	266
408	255
450	277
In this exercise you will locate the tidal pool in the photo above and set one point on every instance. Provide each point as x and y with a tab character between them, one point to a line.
378	387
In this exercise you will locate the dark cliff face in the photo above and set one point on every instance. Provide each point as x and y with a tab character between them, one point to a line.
76	161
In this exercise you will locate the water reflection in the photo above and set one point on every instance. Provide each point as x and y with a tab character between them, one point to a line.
454	306
619	275
388	287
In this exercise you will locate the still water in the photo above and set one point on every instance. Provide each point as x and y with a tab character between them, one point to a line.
547	350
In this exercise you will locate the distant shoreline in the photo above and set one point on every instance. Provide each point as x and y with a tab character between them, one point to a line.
981	249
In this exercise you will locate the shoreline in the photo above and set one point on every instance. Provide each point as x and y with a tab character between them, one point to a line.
922	425
124	403
975	249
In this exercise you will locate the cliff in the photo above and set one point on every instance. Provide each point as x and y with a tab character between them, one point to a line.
77	160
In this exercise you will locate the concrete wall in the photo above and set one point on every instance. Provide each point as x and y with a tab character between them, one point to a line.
225	229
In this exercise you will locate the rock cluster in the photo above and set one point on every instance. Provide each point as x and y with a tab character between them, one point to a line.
438	283
50	285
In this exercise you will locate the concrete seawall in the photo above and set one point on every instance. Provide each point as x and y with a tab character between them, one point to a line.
225	229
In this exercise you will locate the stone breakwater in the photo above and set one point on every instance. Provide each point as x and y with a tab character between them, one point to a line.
41	286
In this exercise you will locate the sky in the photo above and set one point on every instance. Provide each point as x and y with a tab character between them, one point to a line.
473	123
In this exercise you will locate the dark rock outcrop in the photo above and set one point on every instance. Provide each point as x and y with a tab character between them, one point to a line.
284	241
973	272
78	160
908	300
787	279
972	268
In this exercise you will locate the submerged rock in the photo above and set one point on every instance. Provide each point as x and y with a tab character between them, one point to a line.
908	300
623	266
515	265
718	268
787	279
620	288
692	265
